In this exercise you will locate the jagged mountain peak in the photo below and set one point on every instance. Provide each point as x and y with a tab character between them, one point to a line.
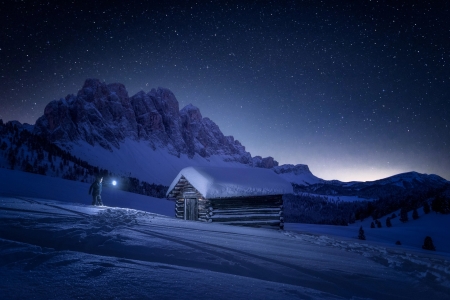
298	174
193	112
94	89
105	115
296	169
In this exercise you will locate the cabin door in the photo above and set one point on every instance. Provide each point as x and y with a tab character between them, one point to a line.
190	209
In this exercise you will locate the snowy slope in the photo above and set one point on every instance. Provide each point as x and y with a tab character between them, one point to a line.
65	249
137	159
16	183
410	234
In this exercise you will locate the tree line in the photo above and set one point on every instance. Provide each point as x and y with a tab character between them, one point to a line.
320	209
32	153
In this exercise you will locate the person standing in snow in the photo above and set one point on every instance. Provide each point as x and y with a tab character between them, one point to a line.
96	191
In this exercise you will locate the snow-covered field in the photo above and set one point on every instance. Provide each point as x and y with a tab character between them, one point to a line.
411	234
54	245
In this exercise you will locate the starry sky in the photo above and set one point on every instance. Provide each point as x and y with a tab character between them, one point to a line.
357	90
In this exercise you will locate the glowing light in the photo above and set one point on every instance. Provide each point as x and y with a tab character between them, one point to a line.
114	182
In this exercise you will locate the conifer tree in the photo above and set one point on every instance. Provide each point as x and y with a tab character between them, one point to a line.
11	158
372	225
388	222
378	223
436	204
441	204
415	214
426	207
403	215
446	208
352	218
428	244
361	234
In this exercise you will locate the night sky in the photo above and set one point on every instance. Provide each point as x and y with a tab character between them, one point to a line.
357	90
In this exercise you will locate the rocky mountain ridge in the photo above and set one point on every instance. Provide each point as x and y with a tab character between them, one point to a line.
409	182
103	114
147	136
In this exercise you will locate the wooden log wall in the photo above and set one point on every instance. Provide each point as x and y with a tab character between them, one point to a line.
260	211
178	192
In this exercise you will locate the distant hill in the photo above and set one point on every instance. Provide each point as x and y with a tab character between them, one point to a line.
340	203
397	184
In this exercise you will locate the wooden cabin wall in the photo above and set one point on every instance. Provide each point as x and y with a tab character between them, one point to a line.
178	192
248	211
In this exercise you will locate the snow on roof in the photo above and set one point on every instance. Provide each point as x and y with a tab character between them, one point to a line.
219	182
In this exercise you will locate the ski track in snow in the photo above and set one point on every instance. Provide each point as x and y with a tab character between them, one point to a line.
419	267
132	242
94	233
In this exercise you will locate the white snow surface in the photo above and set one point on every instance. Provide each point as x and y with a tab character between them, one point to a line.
53	245
138	159
218	182
17	183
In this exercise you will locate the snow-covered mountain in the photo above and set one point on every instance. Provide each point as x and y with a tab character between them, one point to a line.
146	135
407	180
298	174
394	185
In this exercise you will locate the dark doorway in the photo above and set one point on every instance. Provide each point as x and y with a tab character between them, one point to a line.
191	208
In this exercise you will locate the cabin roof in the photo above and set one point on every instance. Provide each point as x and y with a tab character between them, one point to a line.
220	182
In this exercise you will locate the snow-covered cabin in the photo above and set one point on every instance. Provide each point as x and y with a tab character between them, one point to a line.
238	196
